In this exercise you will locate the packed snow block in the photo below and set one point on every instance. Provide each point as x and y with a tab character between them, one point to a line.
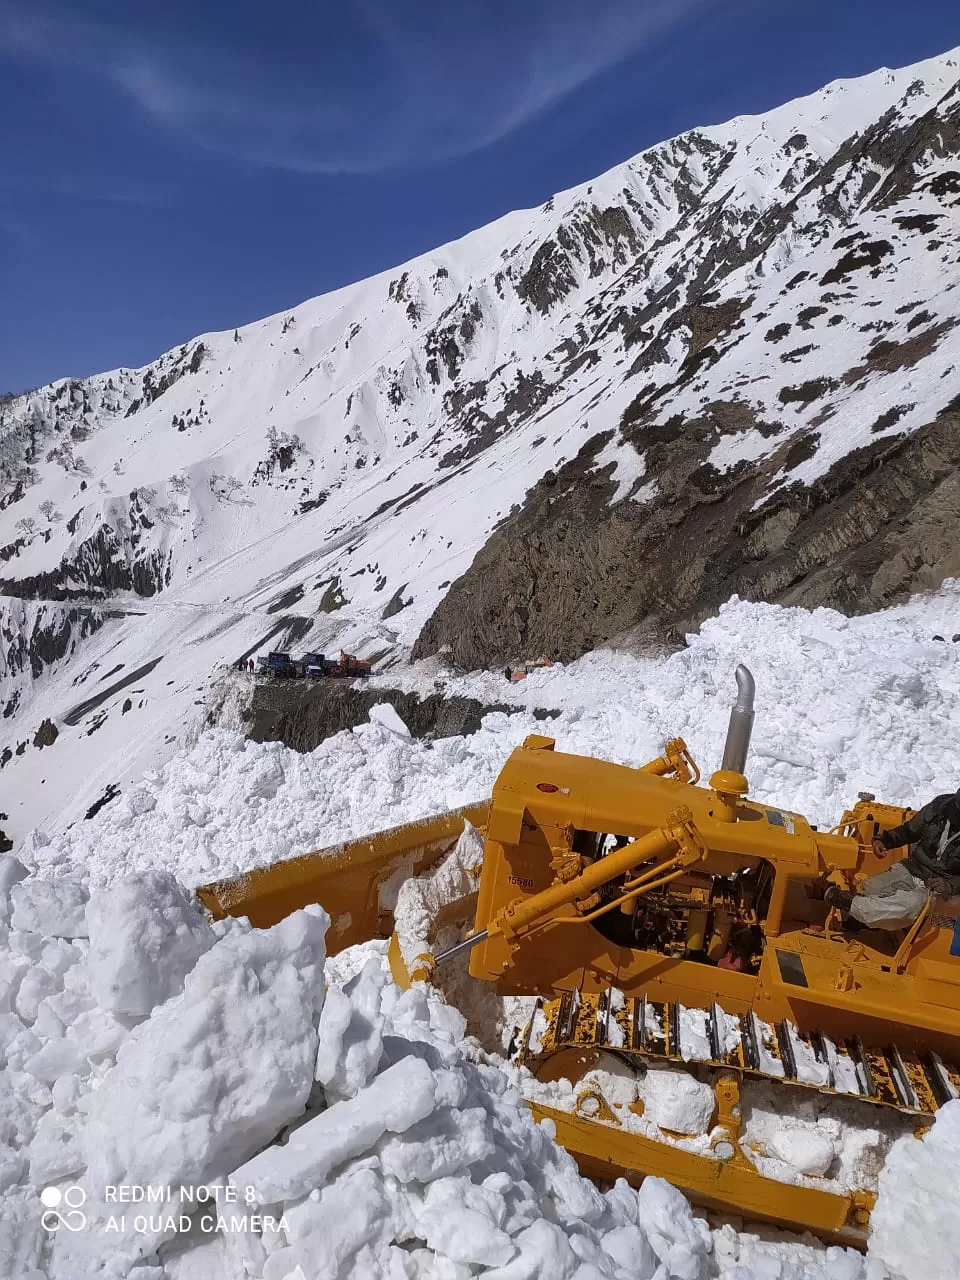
385	715
12	871
351	1033
20	1240
36	985
439	1146
327	1232
808	1150
55	1151
146	934
677	1102
216	1072
53	908
397	1099
463	1222
630	1249
913	1225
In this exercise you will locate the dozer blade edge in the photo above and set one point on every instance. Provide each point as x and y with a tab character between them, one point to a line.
355	882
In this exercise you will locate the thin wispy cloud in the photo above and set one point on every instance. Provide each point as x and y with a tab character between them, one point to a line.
430	83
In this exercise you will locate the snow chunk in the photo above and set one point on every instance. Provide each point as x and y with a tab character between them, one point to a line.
12	871
810	1151
421	897
351	1033
385	715
676	1101
679	1239
216	1071
146	934
458	1220
53	908
397	1099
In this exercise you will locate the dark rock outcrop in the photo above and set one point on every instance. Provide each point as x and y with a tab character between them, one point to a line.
569	571
303	714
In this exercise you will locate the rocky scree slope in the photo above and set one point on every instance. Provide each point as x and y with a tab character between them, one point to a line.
728	364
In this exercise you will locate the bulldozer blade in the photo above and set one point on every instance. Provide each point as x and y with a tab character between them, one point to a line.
356	882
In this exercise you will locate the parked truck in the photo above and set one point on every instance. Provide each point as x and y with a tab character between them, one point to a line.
279	665
313	666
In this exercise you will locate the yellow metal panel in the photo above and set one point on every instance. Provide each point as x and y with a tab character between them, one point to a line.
938	983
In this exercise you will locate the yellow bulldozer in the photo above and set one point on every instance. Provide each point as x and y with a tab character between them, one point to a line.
652	922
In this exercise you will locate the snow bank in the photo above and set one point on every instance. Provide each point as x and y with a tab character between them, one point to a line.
829	690
229	804
344	1135
162	1048
913	1227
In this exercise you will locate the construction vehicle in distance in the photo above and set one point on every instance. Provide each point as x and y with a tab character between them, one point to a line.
650	915
313	666
279	665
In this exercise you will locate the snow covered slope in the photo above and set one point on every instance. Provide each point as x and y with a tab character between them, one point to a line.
491	446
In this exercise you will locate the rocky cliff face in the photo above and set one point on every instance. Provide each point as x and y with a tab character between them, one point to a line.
782	445
570	571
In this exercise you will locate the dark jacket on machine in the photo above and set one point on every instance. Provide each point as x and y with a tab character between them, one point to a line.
933	834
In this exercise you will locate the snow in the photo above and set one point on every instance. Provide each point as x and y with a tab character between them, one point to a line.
829	688
384	714
336	1136
209	1078
56	909
677	1101
914	1223
146	934
351	1033
366	1117
12	871
421	897
164	1050
393	1103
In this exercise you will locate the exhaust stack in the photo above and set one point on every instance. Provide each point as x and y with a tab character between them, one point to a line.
741	724
729	782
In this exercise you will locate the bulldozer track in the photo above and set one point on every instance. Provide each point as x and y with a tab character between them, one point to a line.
637	1030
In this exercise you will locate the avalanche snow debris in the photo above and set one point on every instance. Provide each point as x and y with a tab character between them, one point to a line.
914	1232
407	1160
829	689
12	871
52	908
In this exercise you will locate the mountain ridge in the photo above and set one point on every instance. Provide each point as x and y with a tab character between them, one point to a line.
725	366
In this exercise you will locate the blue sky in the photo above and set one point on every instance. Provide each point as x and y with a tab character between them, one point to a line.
170	169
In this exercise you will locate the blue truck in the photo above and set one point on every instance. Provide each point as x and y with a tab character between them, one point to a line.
279	665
